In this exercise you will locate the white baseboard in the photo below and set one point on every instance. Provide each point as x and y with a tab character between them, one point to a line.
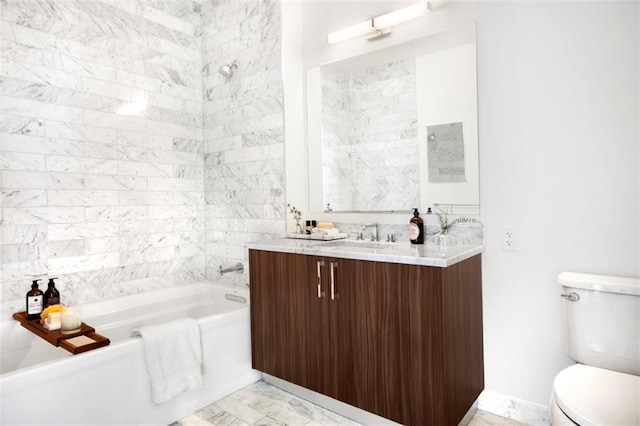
513	408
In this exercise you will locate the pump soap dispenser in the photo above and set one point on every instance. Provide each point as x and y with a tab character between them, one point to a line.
416	228
35	301
52	295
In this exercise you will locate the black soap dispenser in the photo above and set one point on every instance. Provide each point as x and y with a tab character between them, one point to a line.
35	301
52	295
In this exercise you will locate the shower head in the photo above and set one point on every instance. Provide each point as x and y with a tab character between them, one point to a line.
227	70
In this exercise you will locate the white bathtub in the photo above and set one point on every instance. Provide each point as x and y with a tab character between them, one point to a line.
43	384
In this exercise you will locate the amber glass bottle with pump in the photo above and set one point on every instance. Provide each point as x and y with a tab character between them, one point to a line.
52	295
35	301
416	228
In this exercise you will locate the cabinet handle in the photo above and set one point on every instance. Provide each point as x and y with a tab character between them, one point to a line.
333	280
320	265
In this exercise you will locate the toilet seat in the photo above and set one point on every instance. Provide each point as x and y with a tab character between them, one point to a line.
592	396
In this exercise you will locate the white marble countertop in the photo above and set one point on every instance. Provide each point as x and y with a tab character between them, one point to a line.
412	254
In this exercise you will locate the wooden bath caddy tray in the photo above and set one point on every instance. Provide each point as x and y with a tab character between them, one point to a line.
82	341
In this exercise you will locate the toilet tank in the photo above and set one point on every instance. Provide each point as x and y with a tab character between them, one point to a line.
603	326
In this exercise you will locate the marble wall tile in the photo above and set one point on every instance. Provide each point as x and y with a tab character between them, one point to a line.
80	165
40	74
29	215
243	127
101	245
23	198
140	168
17	270
66	265
40	145
113	204
81	230
61	130
174	184
114	121
361	134
21	234
67	248
171	212
175	130
156	198
168	20
96	183
21	125
115	213
114	151
17	253
13	180
19	161
30	108
65	198
114	182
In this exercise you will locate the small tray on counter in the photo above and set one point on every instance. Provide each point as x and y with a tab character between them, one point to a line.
319	237
69	342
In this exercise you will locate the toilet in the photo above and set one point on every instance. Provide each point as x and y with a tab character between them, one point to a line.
602	334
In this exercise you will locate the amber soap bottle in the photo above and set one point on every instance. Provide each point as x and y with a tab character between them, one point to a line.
416	228
35	301
52	295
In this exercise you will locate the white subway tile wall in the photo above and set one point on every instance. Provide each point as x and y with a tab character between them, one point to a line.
127	162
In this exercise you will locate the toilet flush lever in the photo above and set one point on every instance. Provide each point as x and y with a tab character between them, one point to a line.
571	297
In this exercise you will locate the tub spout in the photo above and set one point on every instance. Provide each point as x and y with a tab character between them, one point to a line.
237	267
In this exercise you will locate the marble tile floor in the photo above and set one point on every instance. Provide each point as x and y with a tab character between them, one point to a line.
262	404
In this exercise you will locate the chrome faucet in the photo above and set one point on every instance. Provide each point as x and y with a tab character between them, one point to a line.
374	230
239	267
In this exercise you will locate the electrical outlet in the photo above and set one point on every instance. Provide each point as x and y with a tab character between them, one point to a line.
508	239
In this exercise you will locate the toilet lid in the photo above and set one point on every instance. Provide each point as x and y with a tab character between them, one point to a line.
595	396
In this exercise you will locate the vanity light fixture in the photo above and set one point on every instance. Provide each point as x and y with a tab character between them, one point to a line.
380	25
400	16
365	28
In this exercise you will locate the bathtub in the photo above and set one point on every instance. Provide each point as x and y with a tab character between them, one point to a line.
44	384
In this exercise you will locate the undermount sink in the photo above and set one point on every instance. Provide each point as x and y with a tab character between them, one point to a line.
364	246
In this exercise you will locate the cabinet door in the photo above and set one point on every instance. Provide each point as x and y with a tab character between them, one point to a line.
442	363
422	337
365	329
289	322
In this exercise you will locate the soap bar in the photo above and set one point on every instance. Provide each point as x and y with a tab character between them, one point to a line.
80	341
324	225
52	322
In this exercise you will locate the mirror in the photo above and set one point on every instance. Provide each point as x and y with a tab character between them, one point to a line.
396	128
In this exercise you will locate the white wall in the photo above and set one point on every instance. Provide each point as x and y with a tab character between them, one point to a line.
558	106
558	122
447	81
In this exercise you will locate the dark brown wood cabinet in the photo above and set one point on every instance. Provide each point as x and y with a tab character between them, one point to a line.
289	322
401	341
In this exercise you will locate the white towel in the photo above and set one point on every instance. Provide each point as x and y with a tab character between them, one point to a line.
173	355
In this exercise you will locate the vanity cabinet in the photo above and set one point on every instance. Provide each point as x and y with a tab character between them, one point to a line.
401	341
